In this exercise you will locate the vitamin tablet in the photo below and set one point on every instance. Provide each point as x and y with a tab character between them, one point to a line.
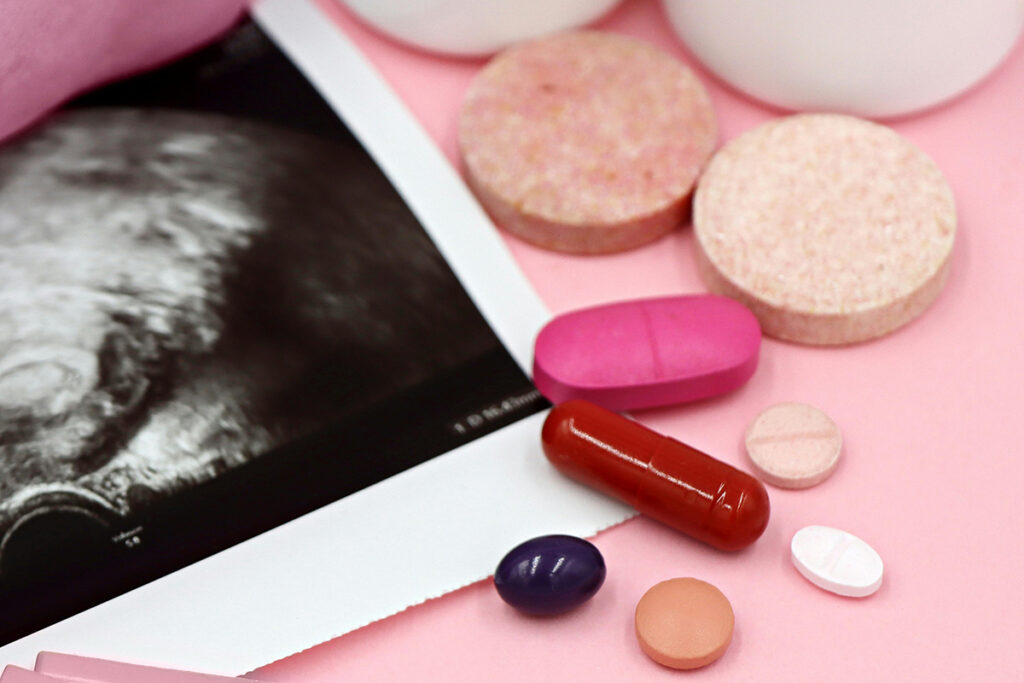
550	574
793	445
684	623
829	228
648	352
837	561
660	477
585	142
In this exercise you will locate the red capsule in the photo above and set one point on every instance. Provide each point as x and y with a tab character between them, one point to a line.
659	476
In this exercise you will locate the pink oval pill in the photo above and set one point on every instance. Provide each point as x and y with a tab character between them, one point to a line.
648	352
793	445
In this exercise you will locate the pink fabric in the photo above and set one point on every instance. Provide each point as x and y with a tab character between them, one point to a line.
51	50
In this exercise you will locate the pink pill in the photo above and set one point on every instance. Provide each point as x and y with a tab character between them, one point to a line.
586	142
829	228
793	445
648	352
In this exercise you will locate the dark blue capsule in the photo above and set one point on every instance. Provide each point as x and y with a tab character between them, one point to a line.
550	574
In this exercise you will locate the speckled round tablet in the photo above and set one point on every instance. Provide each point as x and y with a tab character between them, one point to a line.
585	142
684	623
829	228
793	445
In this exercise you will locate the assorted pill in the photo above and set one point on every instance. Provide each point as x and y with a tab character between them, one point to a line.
820	229
550	574
793	445
831	229
585	142
837	561
684	623
648	352
660	477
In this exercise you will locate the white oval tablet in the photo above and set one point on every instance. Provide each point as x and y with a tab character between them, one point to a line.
836	561
474	27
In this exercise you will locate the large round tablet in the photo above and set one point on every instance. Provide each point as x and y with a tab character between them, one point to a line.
793	445
829	228
585	142
684	623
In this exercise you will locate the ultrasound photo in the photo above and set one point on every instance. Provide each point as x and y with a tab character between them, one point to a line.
216	314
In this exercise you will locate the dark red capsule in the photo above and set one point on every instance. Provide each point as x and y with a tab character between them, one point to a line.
660	477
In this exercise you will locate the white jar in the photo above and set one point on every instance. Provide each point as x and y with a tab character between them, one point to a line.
474	27
875	58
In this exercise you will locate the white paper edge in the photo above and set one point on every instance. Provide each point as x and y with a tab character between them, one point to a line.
420	534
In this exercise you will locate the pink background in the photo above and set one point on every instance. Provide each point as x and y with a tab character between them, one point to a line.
931	476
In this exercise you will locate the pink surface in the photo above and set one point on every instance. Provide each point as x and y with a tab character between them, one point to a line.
51	50
646	353
931	473
78	669
15	674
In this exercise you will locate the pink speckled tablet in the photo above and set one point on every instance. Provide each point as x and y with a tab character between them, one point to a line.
585	142
647	352
830	228
15	674
793	445
90	670
684	623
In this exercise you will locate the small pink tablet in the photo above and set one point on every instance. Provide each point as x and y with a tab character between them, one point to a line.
793	445
76	669
648	352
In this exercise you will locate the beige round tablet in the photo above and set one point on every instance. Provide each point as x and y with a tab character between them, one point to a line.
829	228
684	623
793	445
585	142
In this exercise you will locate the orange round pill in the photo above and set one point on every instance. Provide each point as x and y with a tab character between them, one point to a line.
684	623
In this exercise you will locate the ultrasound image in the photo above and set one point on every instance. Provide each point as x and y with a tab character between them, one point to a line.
180	293
216	315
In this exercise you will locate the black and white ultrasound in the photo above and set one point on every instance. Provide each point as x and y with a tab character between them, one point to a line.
216	314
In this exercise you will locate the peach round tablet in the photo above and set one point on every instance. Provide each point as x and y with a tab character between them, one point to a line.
831	229
684	623
585	142
837	561
793	445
